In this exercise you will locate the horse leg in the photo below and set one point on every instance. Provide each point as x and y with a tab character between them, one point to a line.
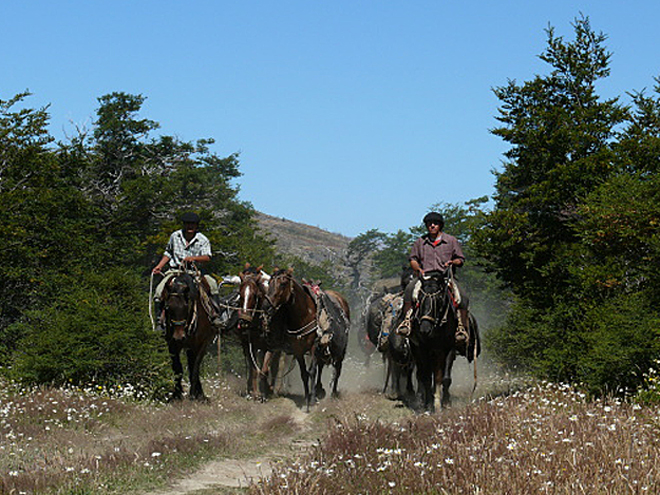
425	384
177	367
388	373
304	376
446	381
319	391
335	379
248	369
271	371
438	383
277	377
312	377
397	374
194	365
410	390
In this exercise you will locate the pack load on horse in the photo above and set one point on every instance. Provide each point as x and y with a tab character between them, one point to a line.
383	314
333	316
306	321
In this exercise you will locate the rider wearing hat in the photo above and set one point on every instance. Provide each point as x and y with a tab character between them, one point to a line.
185	247
435	252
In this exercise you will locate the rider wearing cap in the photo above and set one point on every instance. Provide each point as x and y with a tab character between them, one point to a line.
435	252
186	246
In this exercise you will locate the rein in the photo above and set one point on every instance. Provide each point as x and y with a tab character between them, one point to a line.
433	296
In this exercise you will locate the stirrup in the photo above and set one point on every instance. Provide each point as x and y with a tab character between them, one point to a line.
404	327
462	335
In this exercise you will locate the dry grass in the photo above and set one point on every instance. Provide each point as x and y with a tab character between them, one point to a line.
541	439
74	441
548	439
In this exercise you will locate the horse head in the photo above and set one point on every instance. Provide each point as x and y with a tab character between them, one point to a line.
252	293
180	305
433	302
280	292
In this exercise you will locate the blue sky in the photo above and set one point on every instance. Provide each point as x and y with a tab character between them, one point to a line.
348	115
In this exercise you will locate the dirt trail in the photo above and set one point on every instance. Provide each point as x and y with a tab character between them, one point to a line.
359	387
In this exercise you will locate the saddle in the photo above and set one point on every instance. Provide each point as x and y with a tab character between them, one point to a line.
327	311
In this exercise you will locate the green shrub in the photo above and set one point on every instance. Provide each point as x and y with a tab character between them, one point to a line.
96	333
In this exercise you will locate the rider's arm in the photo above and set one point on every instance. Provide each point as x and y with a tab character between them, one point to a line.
414	264
163	261
457	257
415	256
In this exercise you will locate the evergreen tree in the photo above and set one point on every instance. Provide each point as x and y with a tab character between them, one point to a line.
560	135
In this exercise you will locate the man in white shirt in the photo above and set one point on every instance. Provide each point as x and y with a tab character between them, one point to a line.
185	247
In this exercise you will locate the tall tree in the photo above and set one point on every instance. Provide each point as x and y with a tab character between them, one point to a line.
574	229
560	134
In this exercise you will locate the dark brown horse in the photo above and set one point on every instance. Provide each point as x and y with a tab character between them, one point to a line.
293	326
188	327
251	332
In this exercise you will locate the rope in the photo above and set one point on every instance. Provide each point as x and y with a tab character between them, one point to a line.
301	332
151	302
254	361
474	354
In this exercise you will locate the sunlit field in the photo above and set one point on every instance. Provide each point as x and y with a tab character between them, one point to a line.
547	439
543	438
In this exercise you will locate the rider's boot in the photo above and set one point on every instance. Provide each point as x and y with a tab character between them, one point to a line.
405	325
216	315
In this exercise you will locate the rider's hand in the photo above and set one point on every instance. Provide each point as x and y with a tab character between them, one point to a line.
156	270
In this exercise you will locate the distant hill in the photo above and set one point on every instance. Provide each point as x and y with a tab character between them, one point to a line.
311	244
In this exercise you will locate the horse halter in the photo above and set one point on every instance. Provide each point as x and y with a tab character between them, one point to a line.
246	313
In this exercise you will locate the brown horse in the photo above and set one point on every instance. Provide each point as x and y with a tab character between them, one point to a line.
293	326
188	327
260	373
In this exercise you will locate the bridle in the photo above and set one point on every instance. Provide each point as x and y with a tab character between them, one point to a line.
245	313
435	300
274	282
192	309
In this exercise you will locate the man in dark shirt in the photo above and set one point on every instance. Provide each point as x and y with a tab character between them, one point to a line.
435	251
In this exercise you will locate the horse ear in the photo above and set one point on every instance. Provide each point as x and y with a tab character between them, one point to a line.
241	275
259	268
